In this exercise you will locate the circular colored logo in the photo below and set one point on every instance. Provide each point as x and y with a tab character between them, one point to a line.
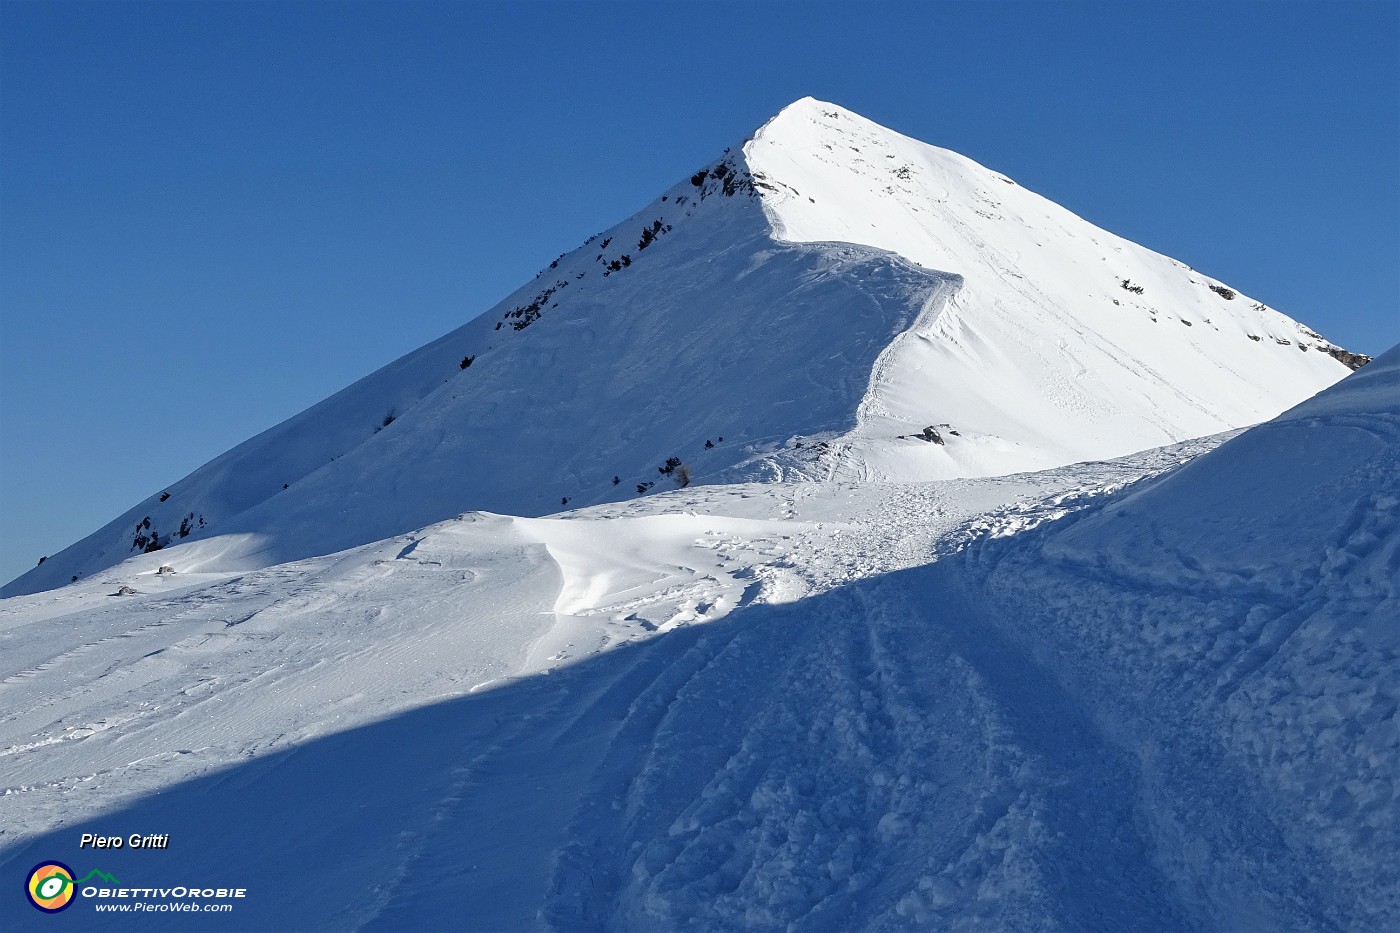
50	886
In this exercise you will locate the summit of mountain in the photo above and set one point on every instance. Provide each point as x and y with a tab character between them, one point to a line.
828	300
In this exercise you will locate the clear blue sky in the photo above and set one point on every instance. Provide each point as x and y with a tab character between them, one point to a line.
213	215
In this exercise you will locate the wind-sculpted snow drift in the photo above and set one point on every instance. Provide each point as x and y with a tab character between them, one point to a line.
816	298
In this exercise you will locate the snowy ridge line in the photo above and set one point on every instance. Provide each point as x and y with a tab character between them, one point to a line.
1044	306
755	301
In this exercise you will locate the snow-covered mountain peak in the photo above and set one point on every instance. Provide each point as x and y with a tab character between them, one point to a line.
761	669
1062	339
830	300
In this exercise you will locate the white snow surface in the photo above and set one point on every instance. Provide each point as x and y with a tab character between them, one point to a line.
816	298
1035	678
1040	356
1132	694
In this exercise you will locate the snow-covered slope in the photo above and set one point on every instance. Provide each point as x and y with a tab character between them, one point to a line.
1064	342
800	308
1034	702
1234	628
